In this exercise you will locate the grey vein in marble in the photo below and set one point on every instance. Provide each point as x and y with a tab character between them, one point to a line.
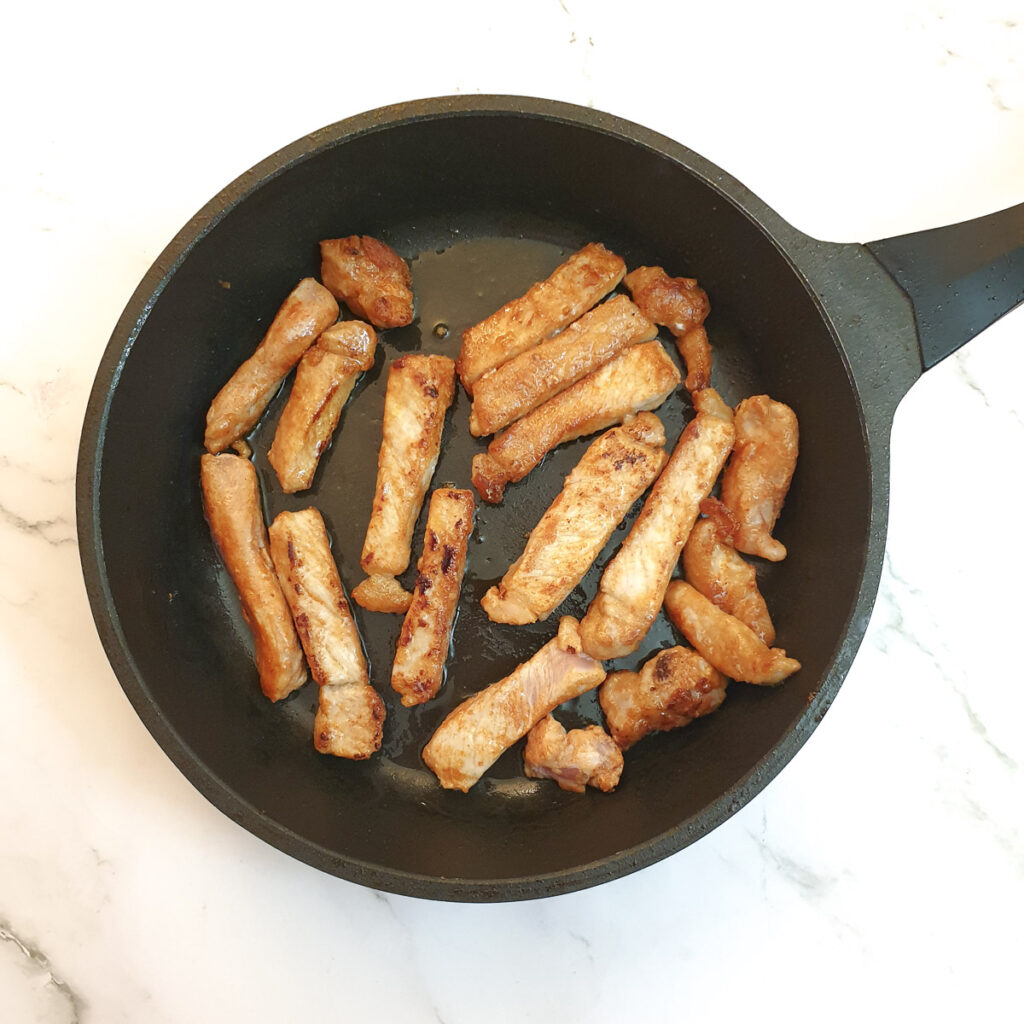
40	527
40	963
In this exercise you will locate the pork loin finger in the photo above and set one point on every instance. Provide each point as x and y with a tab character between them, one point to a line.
308	310
323	382
350	718
723	641
426	632
633	585
483	726
639	379
231	500
580	282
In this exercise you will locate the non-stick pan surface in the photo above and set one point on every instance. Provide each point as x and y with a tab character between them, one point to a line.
483	197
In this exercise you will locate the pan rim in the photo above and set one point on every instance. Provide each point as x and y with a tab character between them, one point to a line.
107	620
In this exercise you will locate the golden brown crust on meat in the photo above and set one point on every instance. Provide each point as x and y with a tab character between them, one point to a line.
679	304
382	593
476	733
724	641
308	310
670	690
420	389
426	632
757	479
714	567
613	472
518	386
574	759
634	582
323	382
549	306
349	722
370	278
639	379
231	500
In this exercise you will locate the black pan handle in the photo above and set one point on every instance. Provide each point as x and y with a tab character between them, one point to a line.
959	279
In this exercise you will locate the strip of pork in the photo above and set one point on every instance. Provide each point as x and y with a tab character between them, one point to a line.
714	567
679	304
639	379
323	382
633	585
350	718
580	282
520	385
483	726
308	310
231	498
574	759
370	278
724	642
670	690
426	633
420	389
614	471
757	479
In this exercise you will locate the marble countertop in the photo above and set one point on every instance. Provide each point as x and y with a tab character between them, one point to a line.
882	872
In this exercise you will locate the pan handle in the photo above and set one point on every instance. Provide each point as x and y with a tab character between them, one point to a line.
960	279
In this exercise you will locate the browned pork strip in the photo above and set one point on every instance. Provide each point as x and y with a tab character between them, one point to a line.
483	726
574	759
580	282
231	498
349	721
370	278
670	690
307	311
723	640
515	388
756	481
420	389
633	585
323	381
721	574
426	633
679	304
614	471
640	378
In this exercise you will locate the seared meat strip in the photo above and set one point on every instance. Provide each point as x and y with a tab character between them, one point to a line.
614	471
515	388
323	381
580	282
231	498
426	632
756	481
420	389
483	726
369	277
715	568
633	585
574	759
350	719
670	690
724	641
640	378
680	305
308	310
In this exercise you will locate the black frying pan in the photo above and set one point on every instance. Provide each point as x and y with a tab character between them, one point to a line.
486	195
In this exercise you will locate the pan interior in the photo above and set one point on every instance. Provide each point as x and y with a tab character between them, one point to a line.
482	207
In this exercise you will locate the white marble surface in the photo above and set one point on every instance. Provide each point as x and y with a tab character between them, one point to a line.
882	873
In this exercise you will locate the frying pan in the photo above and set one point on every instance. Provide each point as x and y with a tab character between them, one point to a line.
485	195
